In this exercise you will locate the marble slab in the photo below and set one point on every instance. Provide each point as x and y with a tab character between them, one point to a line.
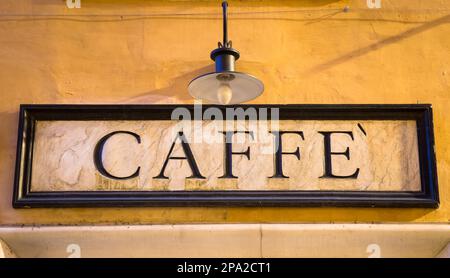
385	152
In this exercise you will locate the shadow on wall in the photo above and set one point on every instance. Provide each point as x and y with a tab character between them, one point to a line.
177	91
8	132
174	93
380	44
8	139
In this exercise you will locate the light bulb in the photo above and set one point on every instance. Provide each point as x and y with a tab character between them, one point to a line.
224	93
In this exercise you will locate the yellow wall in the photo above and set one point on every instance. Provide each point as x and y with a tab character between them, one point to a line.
304	51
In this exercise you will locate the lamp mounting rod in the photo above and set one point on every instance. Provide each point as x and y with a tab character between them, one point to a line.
226	43
225	55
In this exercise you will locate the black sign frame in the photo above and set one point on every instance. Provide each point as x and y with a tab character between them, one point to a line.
428	197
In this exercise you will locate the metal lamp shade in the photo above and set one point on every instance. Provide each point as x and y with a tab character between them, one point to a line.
244	87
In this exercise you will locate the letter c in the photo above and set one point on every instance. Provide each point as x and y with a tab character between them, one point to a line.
98	153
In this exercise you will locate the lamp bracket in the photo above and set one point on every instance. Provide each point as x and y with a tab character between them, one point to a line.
225	55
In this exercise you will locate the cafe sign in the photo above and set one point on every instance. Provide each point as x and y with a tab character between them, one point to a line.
193	155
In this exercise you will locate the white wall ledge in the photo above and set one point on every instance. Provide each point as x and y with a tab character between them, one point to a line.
231	240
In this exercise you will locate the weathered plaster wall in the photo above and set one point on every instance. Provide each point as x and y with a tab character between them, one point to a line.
306	51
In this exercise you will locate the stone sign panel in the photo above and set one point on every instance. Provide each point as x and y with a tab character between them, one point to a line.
311	155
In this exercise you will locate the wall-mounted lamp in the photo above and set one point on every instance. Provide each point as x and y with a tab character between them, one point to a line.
225	85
